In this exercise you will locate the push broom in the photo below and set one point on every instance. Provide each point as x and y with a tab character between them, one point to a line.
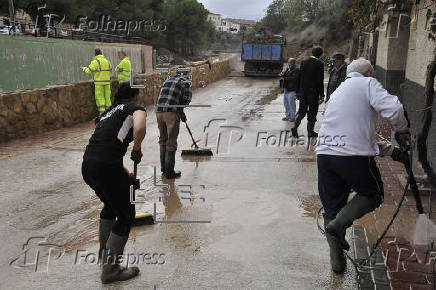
195	151
142	218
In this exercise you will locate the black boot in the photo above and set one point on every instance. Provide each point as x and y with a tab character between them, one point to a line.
104	231
112	271
310	132
170	160
337	257
355	209
163	149
295	129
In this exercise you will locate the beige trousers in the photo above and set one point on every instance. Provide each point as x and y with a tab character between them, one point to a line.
169	124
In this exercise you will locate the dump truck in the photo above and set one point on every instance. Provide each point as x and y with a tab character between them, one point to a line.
263	54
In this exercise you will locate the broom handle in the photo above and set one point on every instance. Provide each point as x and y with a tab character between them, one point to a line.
190	133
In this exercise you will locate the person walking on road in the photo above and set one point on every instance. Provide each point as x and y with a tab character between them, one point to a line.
174	95
311	92
101	69
103	171
351	117
338	73
291	80
124	67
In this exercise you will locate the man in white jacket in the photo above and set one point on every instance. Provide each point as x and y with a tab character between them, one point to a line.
347	144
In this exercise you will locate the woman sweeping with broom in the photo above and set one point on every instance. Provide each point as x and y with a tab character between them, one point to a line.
103	171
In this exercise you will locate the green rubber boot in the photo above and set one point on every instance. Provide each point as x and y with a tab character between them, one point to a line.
104	231
112	271
337	258
355	209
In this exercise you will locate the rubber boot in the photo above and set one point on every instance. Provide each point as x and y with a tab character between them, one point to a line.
170	160
163	149
112	271
355	209
104	231
310	132
337	258
296	125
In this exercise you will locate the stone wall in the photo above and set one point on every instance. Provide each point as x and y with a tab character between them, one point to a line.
393	38
406	66
29	112
419	100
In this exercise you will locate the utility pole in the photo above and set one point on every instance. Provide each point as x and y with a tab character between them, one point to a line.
12	16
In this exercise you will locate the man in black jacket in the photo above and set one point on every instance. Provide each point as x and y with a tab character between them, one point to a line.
338	73
291	80
311	91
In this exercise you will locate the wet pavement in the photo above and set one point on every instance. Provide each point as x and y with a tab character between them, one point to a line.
242	219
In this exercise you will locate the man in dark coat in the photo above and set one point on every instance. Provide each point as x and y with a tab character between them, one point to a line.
311	91
338	73
291	82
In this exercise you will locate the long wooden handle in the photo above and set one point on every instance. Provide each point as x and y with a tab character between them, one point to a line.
190	133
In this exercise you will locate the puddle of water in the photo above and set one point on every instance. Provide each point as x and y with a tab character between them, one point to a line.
58	188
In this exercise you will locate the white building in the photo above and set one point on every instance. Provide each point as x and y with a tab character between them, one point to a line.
224	24
230	26
215	19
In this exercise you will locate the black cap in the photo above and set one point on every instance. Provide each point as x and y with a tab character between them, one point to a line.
338	56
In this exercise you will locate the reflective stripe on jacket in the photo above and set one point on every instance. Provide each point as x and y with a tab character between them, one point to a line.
101	70
123	69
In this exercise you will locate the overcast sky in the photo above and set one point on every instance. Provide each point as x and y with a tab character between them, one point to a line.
245	9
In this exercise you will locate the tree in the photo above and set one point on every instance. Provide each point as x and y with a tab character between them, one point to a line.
360	12
294	14
275	17
329	14
188	27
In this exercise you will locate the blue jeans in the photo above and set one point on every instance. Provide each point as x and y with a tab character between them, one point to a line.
289	102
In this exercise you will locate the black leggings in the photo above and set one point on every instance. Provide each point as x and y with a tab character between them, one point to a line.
111	184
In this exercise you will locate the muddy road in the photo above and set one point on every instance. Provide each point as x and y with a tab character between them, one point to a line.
242	219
